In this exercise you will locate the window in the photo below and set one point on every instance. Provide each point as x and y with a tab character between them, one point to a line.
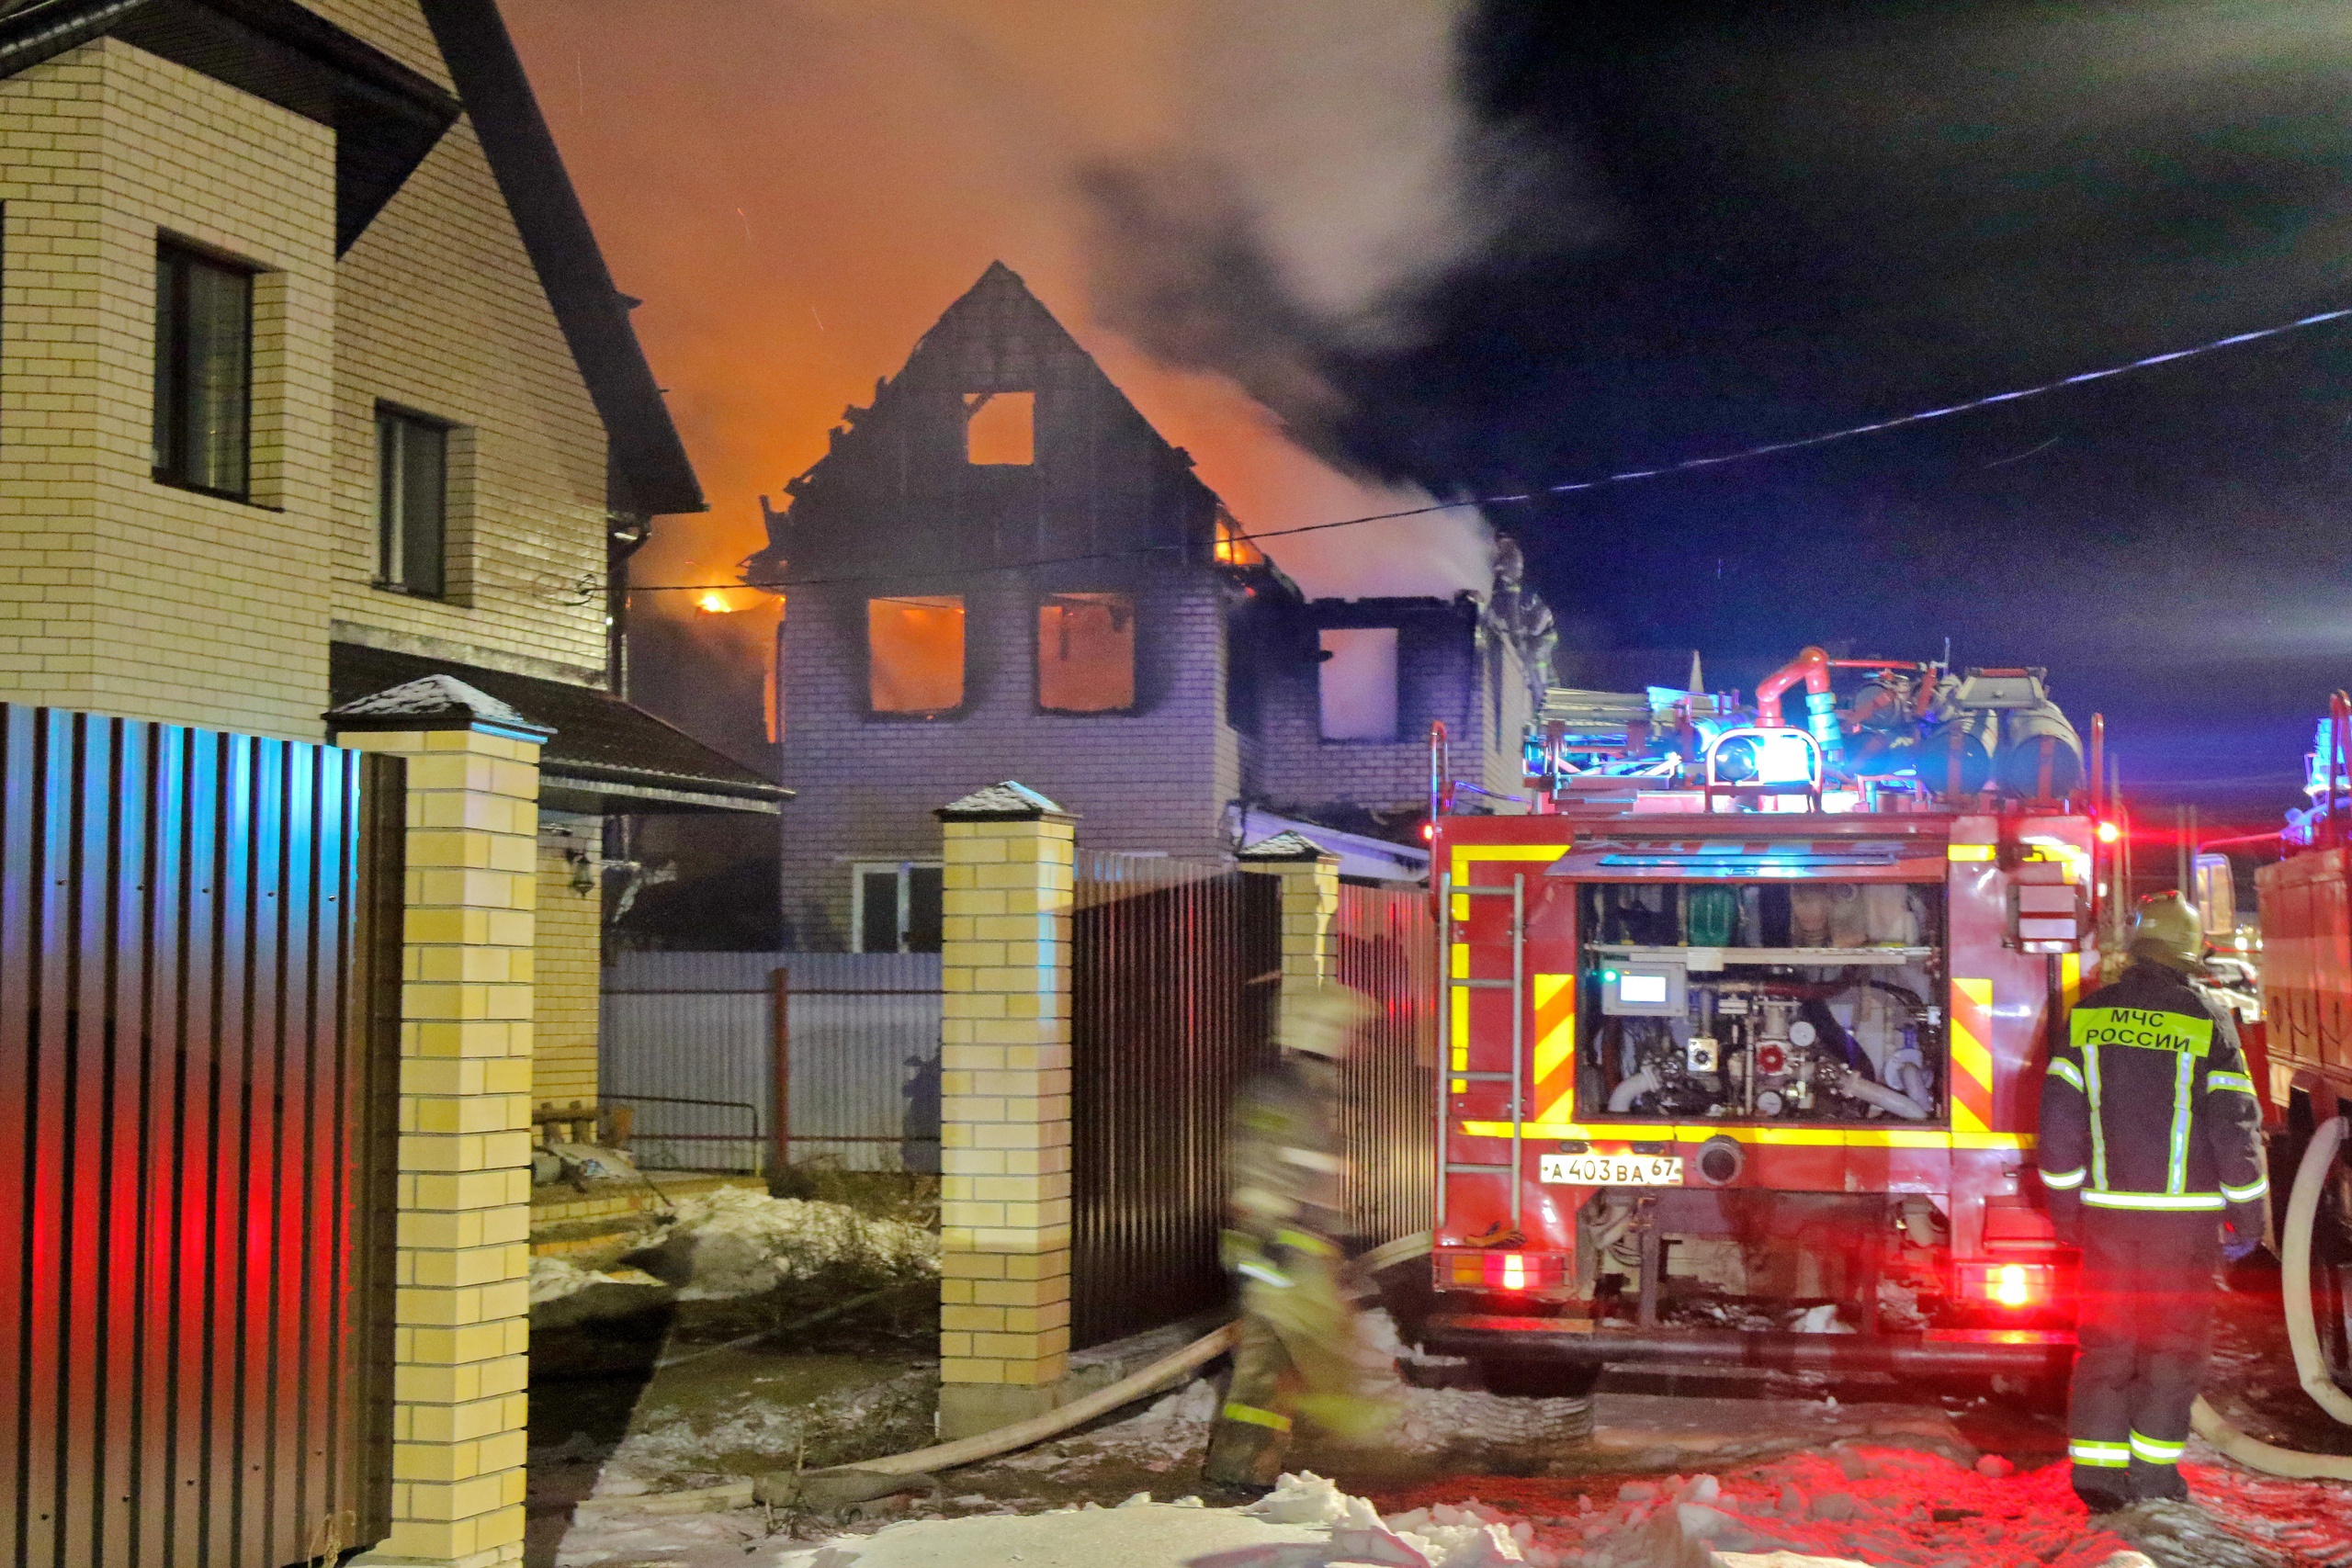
204	360
1358	684
915	652
1000	429
895	907
411	503
1086	652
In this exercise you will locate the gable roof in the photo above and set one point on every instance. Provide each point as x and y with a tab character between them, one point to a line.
386	118
650	461
1111	485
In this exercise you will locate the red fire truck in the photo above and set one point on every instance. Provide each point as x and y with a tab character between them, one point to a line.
1743	1025
2306	1014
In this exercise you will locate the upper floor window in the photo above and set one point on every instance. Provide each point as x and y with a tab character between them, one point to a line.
1001	429
204	363
1086	652
914	653
1357	683
411	503
896	907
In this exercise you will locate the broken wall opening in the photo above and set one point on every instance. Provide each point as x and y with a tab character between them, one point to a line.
1001	429
1086	652
915	653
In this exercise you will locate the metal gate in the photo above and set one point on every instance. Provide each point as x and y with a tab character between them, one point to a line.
1386	942
1174	969
693	1045
197	1108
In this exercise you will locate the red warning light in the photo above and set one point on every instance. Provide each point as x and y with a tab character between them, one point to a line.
2108	833
2010	1286
1429	832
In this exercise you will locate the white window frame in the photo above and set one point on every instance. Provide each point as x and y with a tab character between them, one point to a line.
858	872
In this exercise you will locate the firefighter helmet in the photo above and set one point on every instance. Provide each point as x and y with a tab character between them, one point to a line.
2169	931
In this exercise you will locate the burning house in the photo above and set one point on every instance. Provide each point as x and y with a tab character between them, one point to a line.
1000	569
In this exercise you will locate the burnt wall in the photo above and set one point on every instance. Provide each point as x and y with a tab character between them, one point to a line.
1157	778
1441	673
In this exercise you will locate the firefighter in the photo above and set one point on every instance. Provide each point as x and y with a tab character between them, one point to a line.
1296	1353
2150	1145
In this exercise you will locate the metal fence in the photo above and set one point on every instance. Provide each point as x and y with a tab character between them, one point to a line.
689	1042
1175	965
1386	942
198	1109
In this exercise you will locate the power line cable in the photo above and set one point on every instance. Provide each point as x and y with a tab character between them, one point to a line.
1628	476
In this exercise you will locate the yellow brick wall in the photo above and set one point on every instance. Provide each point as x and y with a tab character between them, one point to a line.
462	1329
563	1063
1005	1109
117	593
396	26
442	313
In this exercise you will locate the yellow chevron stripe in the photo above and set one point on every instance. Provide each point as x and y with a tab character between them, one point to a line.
1972	1058
1555	1047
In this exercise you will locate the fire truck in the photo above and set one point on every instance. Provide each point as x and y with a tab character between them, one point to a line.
1743	1023
2305	1062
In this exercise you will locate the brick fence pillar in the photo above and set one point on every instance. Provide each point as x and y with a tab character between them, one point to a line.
462	1321
1004	1109
1310	876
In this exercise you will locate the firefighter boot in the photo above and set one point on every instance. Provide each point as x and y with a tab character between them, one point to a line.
1253	1428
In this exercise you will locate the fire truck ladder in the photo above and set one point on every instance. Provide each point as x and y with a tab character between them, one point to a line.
1517	986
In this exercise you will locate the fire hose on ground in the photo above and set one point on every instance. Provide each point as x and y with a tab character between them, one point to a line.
2303	1334
1003	1440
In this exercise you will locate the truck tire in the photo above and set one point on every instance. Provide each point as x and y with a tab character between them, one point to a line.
1538	1379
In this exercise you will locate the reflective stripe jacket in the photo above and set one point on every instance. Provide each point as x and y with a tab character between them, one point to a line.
2147	1106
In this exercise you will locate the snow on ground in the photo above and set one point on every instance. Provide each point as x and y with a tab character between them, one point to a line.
553	1279
744	1242
1883	1508
727	1433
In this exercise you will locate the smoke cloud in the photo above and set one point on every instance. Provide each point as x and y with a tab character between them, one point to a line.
1322	180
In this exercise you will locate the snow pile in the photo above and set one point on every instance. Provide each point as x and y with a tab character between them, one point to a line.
739	1242
552	1280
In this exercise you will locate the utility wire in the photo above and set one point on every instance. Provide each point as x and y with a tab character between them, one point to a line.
1628	476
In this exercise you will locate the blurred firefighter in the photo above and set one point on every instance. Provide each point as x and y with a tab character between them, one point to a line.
1296	1353
2150	1144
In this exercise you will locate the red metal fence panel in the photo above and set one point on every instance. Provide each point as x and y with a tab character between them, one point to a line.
198	1040
1386	942
1175	965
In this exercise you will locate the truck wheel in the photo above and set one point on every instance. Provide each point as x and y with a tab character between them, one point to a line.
1538	1379
2332	1272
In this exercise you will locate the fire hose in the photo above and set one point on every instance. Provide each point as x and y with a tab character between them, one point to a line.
2303	1334
2295	1282
1003	1440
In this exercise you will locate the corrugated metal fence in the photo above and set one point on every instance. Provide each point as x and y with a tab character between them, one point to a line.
1386	943
689	1043
1175	965
198	1109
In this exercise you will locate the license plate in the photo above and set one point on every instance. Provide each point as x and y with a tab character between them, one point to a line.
1611	1170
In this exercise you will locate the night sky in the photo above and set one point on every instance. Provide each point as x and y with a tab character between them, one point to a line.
1848	212
1701	227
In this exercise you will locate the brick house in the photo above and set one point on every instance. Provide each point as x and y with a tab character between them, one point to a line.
1000	571
313	383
